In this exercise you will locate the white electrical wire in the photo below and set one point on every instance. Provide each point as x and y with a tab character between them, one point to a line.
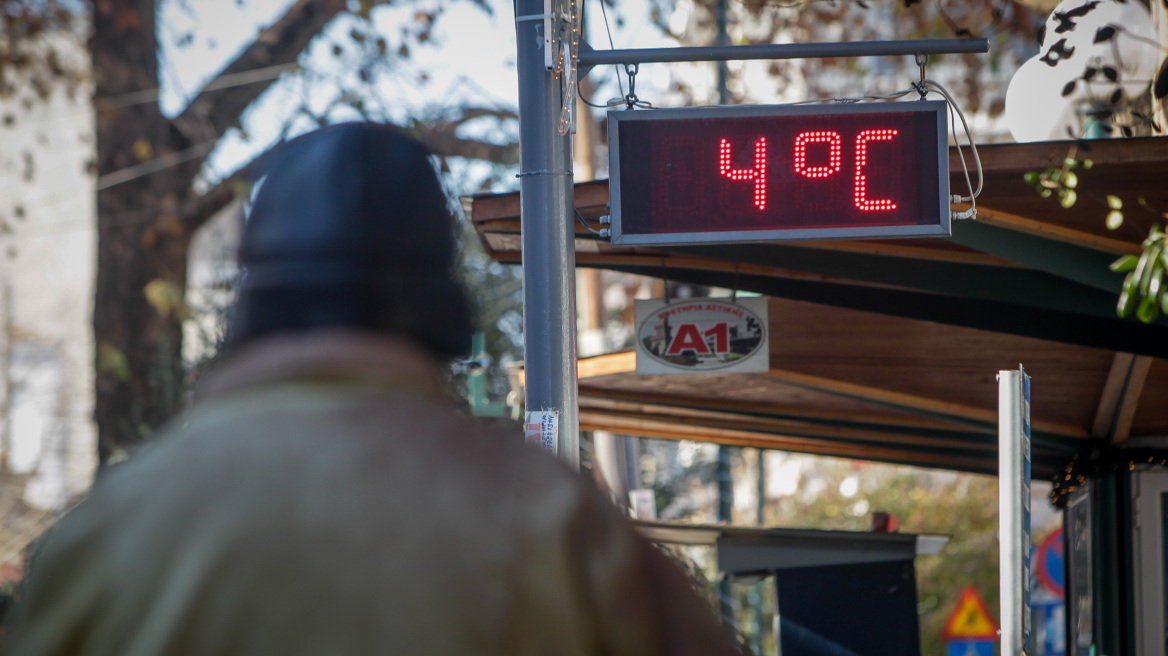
852	99
972	198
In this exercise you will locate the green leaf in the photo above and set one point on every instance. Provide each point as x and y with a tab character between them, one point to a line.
1148	311
1131	284
1151	267
1126	304
1031	177
1046	193
1114	219
1114	202
112	362
1125	263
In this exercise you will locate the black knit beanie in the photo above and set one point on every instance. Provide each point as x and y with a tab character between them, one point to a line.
350	228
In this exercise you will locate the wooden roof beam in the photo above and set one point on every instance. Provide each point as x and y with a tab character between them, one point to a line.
913	403
1120	397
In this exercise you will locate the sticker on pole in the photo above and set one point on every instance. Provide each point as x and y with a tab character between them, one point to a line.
542	429
702	335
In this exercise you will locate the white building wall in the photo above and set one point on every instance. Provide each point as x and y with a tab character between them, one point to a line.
47	271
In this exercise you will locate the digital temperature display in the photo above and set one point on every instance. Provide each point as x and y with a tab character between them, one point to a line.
727	174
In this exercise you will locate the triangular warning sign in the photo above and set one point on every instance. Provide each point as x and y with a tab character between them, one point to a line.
971	619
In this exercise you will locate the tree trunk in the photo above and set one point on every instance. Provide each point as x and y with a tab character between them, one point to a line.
147	211
141	238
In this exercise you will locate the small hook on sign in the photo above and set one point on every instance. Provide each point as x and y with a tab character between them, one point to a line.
922	61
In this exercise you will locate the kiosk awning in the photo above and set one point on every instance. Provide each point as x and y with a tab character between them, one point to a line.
887	349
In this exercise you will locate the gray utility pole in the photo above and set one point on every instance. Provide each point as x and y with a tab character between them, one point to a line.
549	254
727	605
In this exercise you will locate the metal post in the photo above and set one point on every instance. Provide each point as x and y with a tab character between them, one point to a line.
724	475
723	40
1014	510
760	519
727	604
589	57
549	257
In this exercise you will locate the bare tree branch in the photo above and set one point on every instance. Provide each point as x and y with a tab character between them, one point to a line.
438	134
219	106
445	144
199	209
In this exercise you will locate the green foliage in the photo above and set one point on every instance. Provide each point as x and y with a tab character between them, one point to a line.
1062	181
1143	290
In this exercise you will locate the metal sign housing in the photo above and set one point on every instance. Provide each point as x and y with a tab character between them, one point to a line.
786	172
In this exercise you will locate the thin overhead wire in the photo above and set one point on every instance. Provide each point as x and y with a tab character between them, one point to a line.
604	12
154	165
144	96
223	82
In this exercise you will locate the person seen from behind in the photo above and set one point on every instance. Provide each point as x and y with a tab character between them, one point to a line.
324	496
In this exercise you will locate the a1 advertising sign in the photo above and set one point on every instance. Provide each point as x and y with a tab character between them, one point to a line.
761	173
702	335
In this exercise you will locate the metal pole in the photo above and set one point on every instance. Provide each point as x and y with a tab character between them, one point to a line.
589	57
549	257
760	519
726	602
725	477
723	41
1014	510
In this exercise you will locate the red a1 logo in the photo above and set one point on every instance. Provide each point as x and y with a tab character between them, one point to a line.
690	338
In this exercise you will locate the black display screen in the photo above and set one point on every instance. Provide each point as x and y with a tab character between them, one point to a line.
815	171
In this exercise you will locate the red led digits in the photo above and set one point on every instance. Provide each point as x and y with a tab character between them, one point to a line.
862	200
834	153
758	173
834	164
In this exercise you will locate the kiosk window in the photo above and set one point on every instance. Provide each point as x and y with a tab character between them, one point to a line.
1079	593
1164	559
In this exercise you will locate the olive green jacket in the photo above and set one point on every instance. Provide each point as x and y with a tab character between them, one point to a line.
325	498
